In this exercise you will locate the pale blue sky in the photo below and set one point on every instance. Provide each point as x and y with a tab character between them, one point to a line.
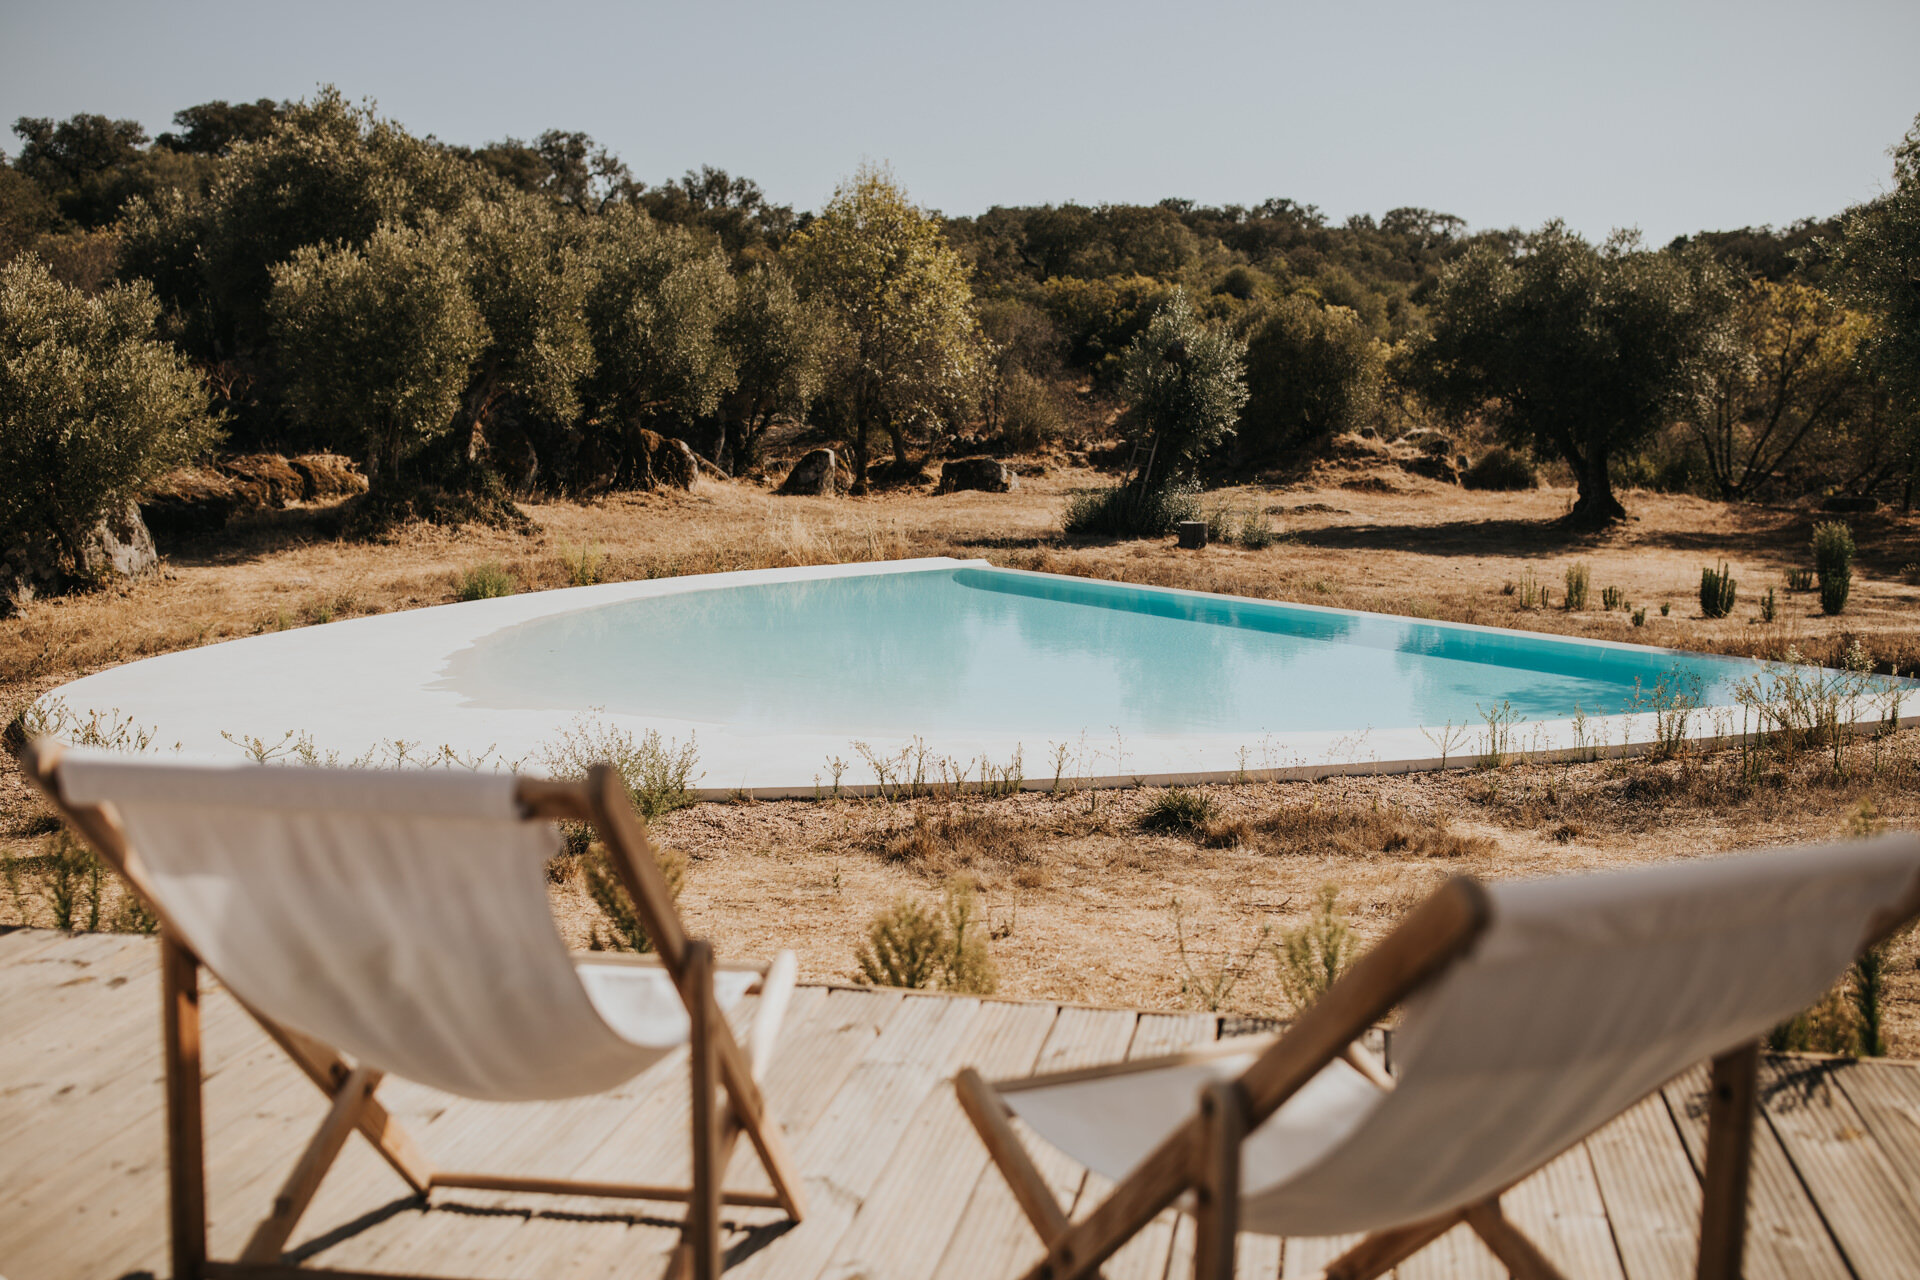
1671	117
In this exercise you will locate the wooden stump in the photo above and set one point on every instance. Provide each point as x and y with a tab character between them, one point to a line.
1193	534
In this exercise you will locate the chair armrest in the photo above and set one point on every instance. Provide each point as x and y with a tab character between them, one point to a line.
776	992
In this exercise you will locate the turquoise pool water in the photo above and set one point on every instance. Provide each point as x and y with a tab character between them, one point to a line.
982	650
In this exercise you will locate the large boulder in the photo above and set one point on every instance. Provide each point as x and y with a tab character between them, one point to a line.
190	502
116	548
987	474
264	480
327	475
819	472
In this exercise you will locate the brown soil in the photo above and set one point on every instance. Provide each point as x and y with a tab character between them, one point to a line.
1083	904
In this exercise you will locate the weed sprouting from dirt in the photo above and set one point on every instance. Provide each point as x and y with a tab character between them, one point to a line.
1180	811
1212	984
1311	957
485	581
658	772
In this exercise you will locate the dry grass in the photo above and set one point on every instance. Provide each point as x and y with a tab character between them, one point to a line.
1076	896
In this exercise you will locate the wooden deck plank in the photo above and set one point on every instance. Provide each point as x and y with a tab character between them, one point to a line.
1874	1218
993	1238
1650	1190
1560	1209
1887	1096
855	1136
904	1226
1786	1237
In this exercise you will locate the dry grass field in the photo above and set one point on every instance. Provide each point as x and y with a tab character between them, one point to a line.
1081	902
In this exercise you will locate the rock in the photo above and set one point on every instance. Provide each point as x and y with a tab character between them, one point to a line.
327	475
1437	444
119	546
989	475
1192	534
1432	467
660	462
264	480
190	502
819	472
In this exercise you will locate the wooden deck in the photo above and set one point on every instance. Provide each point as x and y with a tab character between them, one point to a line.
900	1188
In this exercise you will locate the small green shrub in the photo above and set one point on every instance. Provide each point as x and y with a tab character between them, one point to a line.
1179	811
1640	617
658	773
911	944
1612	598
1578	580
1666	607
1769	607
1833	564
1124	512
585	566
1311	958
1717	590
1501	470
485	582
1799	580
624	930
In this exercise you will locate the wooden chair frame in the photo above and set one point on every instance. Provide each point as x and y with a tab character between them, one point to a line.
1202	1157
727	1102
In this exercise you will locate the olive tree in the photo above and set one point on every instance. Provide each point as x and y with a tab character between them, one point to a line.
1312	372
906	346
1185	384
1880	252
92	408
779	349
378	341
1580	351
529	277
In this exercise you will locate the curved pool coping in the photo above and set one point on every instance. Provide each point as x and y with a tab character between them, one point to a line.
363	682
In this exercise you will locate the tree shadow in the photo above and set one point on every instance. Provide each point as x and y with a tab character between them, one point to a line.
1456	537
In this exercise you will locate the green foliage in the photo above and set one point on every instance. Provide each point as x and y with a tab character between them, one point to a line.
485	581
1582	352
1312	372
528	276
92	408
1310	958
779	348
905	345
1185	385
1880	259
1578	580
1123	511
914	945
377	341
658	773
1717	589
1502	470
1179	811
1769	607
1612	598
625	932
1833	564
1799	579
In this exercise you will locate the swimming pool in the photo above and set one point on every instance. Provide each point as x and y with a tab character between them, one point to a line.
787	679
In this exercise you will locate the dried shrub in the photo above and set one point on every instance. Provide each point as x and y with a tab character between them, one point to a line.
1179	811
913	944
959	839
624	932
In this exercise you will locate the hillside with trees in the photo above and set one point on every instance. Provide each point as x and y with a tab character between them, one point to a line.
477	325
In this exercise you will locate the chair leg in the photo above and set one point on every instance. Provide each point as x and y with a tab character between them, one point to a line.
1521	1257
1382	1251
1730	1118
1024	1179
703	1209
186	1166
1216	1180
349	1101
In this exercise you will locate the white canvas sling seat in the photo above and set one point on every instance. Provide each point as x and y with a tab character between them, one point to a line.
399	917
1564	1002
397	922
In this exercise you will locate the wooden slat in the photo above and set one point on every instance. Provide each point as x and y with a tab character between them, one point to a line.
1873	1217
855	1138
1560	1209
1887	1096
904	1226
993	1237
1164	1246
1786	1236
1650	1190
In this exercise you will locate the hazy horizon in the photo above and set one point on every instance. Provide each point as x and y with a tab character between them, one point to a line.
1669	119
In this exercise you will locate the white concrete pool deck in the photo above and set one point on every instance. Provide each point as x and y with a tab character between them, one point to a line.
365	684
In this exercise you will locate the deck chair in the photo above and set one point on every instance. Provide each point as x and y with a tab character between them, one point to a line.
398	922
1534	1012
